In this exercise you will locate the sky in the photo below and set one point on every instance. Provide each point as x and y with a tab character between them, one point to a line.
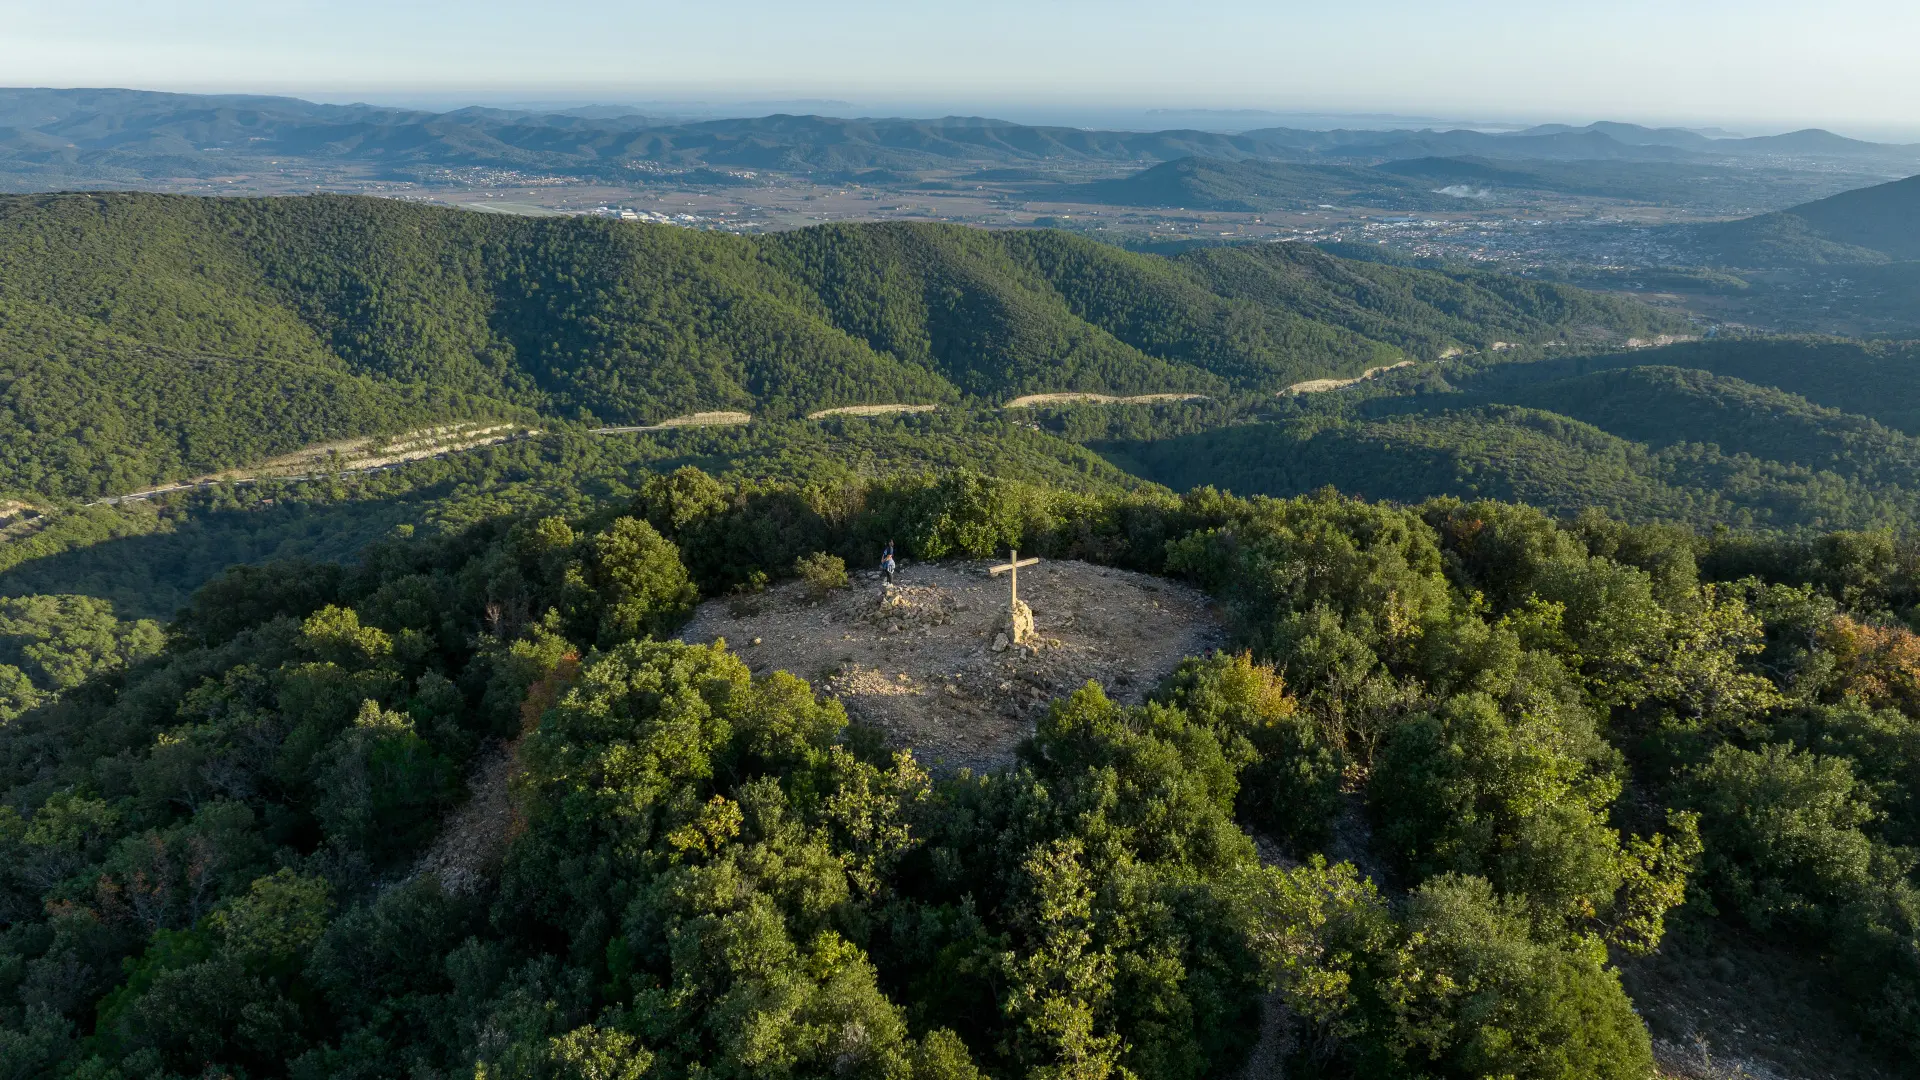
1755	64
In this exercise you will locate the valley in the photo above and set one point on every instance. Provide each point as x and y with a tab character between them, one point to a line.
1608	205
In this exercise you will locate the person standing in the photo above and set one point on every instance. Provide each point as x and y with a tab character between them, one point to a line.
886	562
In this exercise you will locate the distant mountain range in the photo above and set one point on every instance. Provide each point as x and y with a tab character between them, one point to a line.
1810	141
1433	183
52	137
1595	142
1874	225
1634	134
1395	145
122	134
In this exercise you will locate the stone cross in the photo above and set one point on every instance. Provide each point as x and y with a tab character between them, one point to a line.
1019	615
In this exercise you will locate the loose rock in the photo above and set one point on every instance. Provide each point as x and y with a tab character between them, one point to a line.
950	682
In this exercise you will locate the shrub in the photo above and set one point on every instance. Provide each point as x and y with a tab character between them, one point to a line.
641	583
822	572
1483	993
1782	831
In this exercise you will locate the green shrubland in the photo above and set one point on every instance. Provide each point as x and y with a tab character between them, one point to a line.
1553	738
1786	436
147	337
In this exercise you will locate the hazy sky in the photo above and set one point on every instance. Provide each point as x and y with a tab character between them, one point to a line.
1838	63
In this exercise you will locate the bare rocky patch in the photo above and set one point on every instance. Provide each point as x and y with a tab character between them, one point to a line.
870	410
1035	400
919	660
699	419
474	837
1321	386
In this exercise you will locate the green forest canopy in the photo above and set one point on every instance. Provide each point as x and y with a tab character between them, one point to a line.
1792	435
1798	436
1559	735
1562	736
1865	226
124	316
148	557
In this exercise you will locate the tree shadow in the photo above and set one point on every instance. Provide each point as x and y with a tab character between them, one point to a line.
153	575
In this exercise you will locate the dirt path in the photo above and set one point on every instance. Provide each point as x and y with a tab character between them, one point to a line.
869	410
918	662
368	454
1320	386
699	419
1730	1005
1032	400
371	454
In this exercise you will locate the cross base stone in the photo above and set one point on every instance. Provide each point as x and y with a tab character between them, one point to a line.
1020	624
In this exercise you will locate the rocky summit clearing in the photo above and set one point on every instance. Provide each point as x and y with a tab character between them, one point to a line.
926	661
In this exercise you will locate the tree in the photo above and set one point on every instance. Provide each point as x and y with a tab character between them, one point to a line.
1782	832
382	786
1474	991
1059	988
639	583
1290	766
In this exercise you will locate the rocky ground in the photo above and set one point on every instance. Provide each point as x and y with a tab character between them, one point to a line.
476	835
1725	1005
919	660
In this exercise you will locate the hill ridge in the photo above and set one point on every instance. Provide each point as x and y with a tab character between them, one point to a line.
105	135
397	315
1870	225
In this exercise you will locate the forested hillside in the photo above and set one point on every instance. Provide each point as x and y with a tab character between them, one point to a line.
149	557
1534	750
315	317
1772	434
1878	224
1877	379
1467	764
1788	435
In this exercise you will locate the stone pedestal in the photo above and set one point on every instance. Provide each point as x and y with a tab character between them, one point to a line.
1020	624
